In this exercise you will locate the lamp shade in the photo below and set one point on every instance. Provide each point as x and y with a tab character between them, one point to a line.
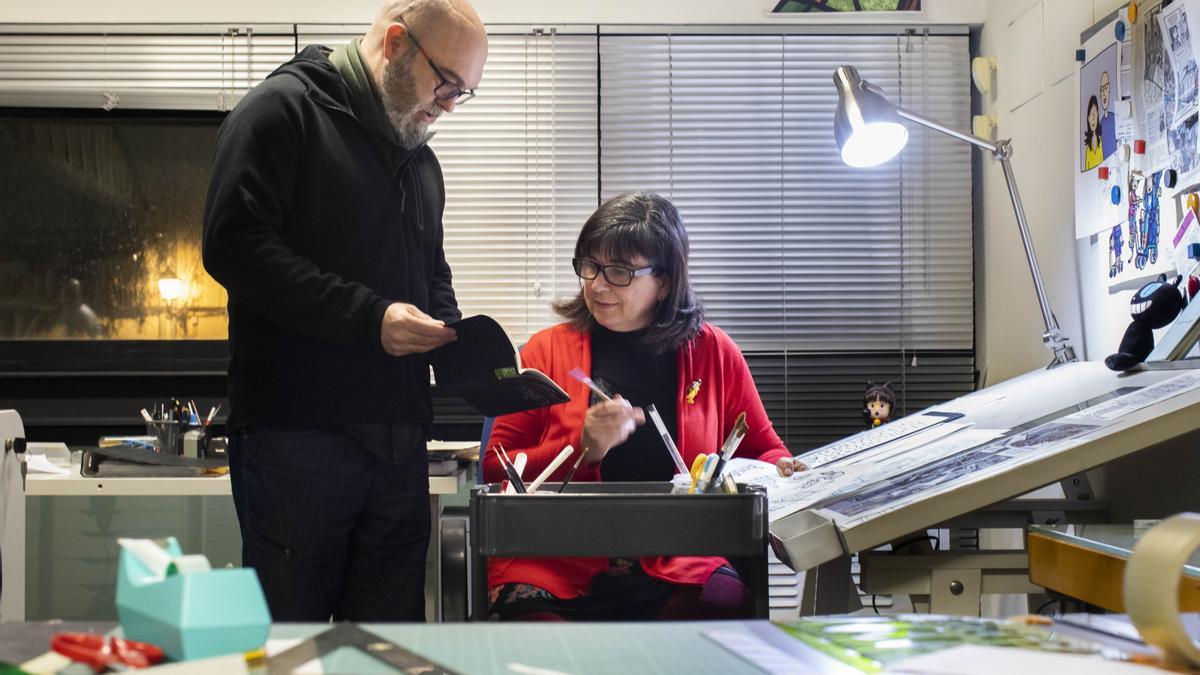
867	128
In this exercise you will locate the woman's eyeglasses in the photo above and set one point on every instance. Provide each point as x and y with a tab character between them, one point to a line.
617	275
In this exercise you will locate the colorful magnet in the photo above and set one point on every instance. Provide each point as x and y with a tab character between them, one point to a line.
1193	203
1139	147
1193	285
1131	12
1102	173
1081	55
1168	178
1119	30
1116	194
1193	251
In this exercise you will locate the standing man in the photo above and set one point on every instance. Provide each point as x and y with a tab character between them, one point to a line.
324	223
1108	121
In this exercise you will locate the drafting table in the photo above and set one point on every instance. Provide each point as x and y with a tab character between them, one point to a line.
923	498
1087	562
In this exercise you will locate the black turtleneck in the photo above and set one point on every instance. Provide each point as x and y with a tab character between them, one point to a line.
621	364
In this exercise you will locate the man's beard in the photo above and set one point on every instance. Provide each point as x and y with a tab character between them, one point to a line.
399	91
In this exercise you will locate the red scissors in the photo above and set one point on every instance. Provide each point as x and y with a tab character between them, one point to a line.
102	653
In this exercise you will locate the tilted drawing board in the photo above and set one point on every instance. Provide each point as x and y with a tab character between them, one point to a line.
983	448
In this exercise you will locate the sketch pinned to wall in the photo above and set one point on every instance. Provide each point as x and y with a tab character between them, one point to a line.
1178	42
1097	118
1137	251
1180	99
1102	127
1153	77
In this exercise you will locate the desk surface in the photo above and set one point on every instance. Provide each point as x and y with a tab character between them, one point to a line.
598	648
75	485
49	485
1088	563
547	648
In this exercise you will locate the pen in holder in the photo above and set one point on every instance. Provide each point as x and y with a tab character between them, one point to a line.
169	439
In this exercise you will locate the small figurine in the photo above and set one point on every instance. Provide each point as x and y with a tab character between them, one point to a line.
877	404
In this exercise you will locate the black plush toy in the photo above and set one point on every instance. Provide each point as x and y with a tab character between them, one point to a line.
1154	305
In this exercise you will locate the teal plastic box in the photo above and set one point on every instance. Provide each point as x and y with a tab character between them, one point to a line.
191	615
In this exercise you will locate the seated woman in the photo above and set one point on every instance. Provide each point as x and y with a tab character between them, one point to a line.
638	330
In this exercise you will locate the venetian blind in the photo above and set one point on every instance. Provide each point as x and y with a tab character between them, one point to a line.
791	249
161	67
826	276
520	162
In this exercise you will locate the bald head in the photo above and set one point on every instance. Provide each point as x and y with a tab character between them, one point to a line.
423	55
449	31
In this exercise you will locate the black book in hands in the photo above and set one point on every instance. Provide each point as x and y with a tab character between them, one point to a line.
482	367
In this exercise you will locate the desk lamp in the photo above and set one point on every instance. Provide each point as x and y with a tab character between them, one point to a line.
869	131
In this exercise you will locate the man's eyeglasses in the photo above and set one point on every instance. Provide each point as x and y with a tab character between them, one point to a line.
446	90
617	275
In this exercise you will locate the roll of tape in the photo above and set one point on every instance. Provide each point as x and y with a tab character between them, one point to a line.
186	564
1152	586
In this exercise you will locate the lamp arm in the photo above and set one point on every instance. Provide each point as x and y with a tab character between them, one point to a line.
949	131
1002	150
1053	337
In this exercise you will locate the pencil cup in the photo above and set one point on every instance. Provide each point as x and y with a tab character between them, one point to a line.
169	439
680	484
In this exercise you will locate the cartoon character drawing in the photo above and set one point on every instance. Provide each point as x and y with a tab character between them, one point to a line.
1115	264
1092	142
1108	121
1150	206
1133	190
1144	223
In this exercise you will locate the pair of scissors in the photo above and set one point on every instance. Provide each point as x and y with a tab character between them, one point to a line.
103	653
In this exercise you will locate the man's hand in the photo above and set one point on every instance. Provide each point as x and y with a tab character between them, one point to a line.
790	465
408	330
607	425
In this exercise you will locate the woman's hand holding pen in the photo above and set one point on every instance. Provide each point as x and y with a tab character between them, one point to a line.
408	330
607	425
790	465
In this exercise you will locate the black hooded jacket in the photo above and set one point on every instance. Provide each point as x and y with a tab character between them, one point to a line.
314	226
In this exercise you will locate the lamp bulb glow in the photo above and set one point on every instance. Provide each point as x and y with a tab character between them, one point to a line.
170	288
873	144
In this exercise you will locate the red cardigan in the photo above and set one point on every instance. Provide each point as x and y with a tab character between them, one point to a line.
726	390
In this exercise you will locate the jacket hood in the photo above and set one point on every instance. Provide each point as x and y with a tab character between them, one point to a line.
320	77
325	85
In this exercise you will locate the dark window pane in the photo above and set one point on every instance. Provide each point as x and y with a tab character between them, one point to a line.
100	219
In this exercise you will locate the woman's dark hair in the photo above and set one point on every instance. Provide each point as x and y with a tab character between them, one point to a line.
642	224
1087	129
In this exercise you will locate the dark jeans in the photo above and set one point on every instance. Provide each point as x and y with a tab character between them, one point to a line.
335	520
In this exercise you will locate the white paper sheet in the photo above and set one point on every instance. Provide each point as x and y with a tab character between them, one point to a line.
906	444
871	438
797	492
41	464
1149	80
1098	82
1177	38
1123	405
885	487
